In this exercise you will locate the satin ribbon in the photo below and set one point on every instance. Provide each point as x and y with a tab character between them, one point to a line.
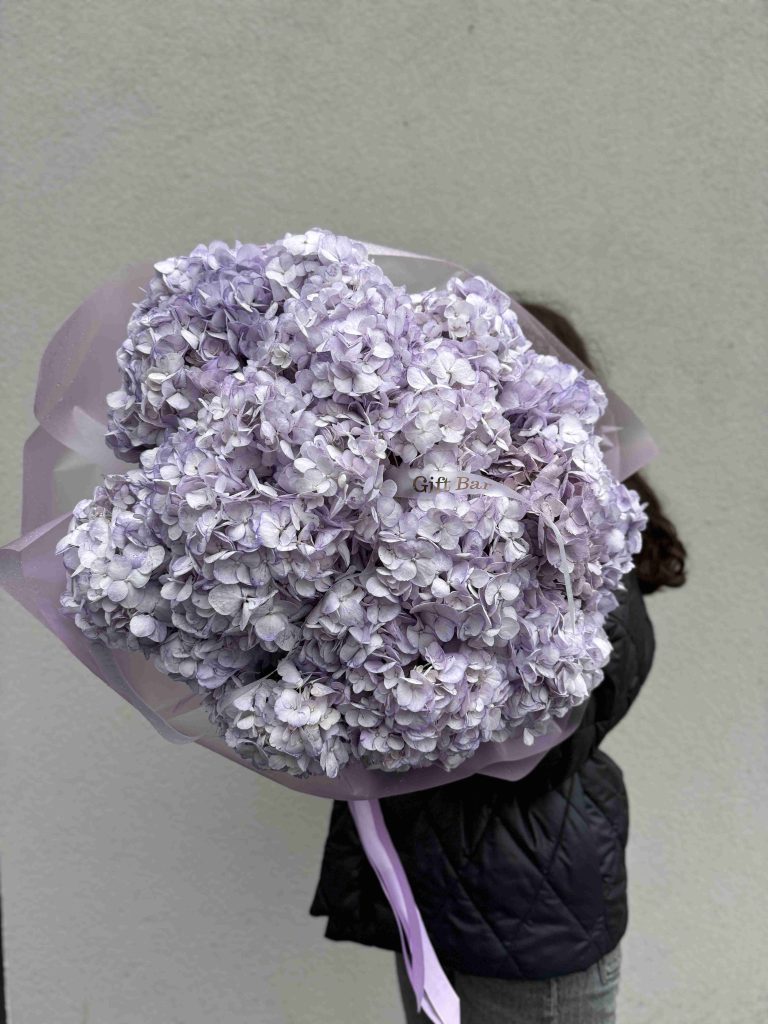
434	993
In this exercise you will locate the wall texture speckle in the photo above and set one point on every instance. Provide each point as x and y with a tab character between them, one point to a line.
606	156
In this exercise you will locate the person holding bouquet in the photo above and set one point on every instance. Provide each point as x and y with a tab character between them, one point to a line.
362	534
522	885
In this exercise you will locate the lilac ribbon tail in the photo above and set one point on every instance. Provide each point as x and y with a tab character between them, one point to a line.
434	993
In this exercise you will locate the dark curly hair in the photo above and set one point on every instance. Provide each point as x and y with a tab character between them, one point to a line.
661	561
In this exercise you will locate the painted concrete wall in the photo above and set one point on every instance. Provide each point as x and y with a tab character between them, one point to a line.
603	155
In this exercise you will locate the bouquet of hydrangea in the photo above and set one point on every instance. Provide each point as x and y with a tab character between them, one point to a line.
359	536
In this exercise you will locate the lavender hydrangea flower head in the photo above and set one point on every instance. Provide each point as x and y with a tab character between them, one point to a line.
261	546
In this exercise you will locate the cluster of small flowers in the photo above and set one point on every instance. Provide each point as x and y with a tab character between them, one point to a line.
260	549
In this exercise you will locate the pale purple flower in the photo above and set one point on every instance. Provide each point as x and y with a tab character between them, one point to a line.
258	549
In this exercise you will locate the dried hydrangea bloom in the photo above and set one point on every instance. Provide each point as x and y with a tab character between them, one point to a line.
259	549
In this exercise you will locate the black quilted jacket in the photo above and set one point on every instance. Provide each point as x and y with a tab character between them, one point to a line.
519	879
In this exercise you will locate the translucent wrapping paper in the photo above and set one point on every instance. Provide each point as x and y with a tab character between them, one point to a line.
66	456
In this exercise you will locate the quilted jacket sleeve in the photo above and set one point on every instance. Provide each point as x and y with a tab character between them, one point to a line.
630	631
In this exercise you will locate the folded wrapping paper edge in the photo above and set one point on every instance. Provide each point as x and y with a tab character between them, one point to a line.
105	310
512	771
28	585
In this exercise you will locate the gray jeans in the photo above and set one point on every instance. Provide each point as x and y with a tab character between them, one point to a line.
585	997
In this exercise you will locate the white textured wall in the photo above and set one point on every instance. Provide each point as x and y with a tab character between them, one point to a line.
607	155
